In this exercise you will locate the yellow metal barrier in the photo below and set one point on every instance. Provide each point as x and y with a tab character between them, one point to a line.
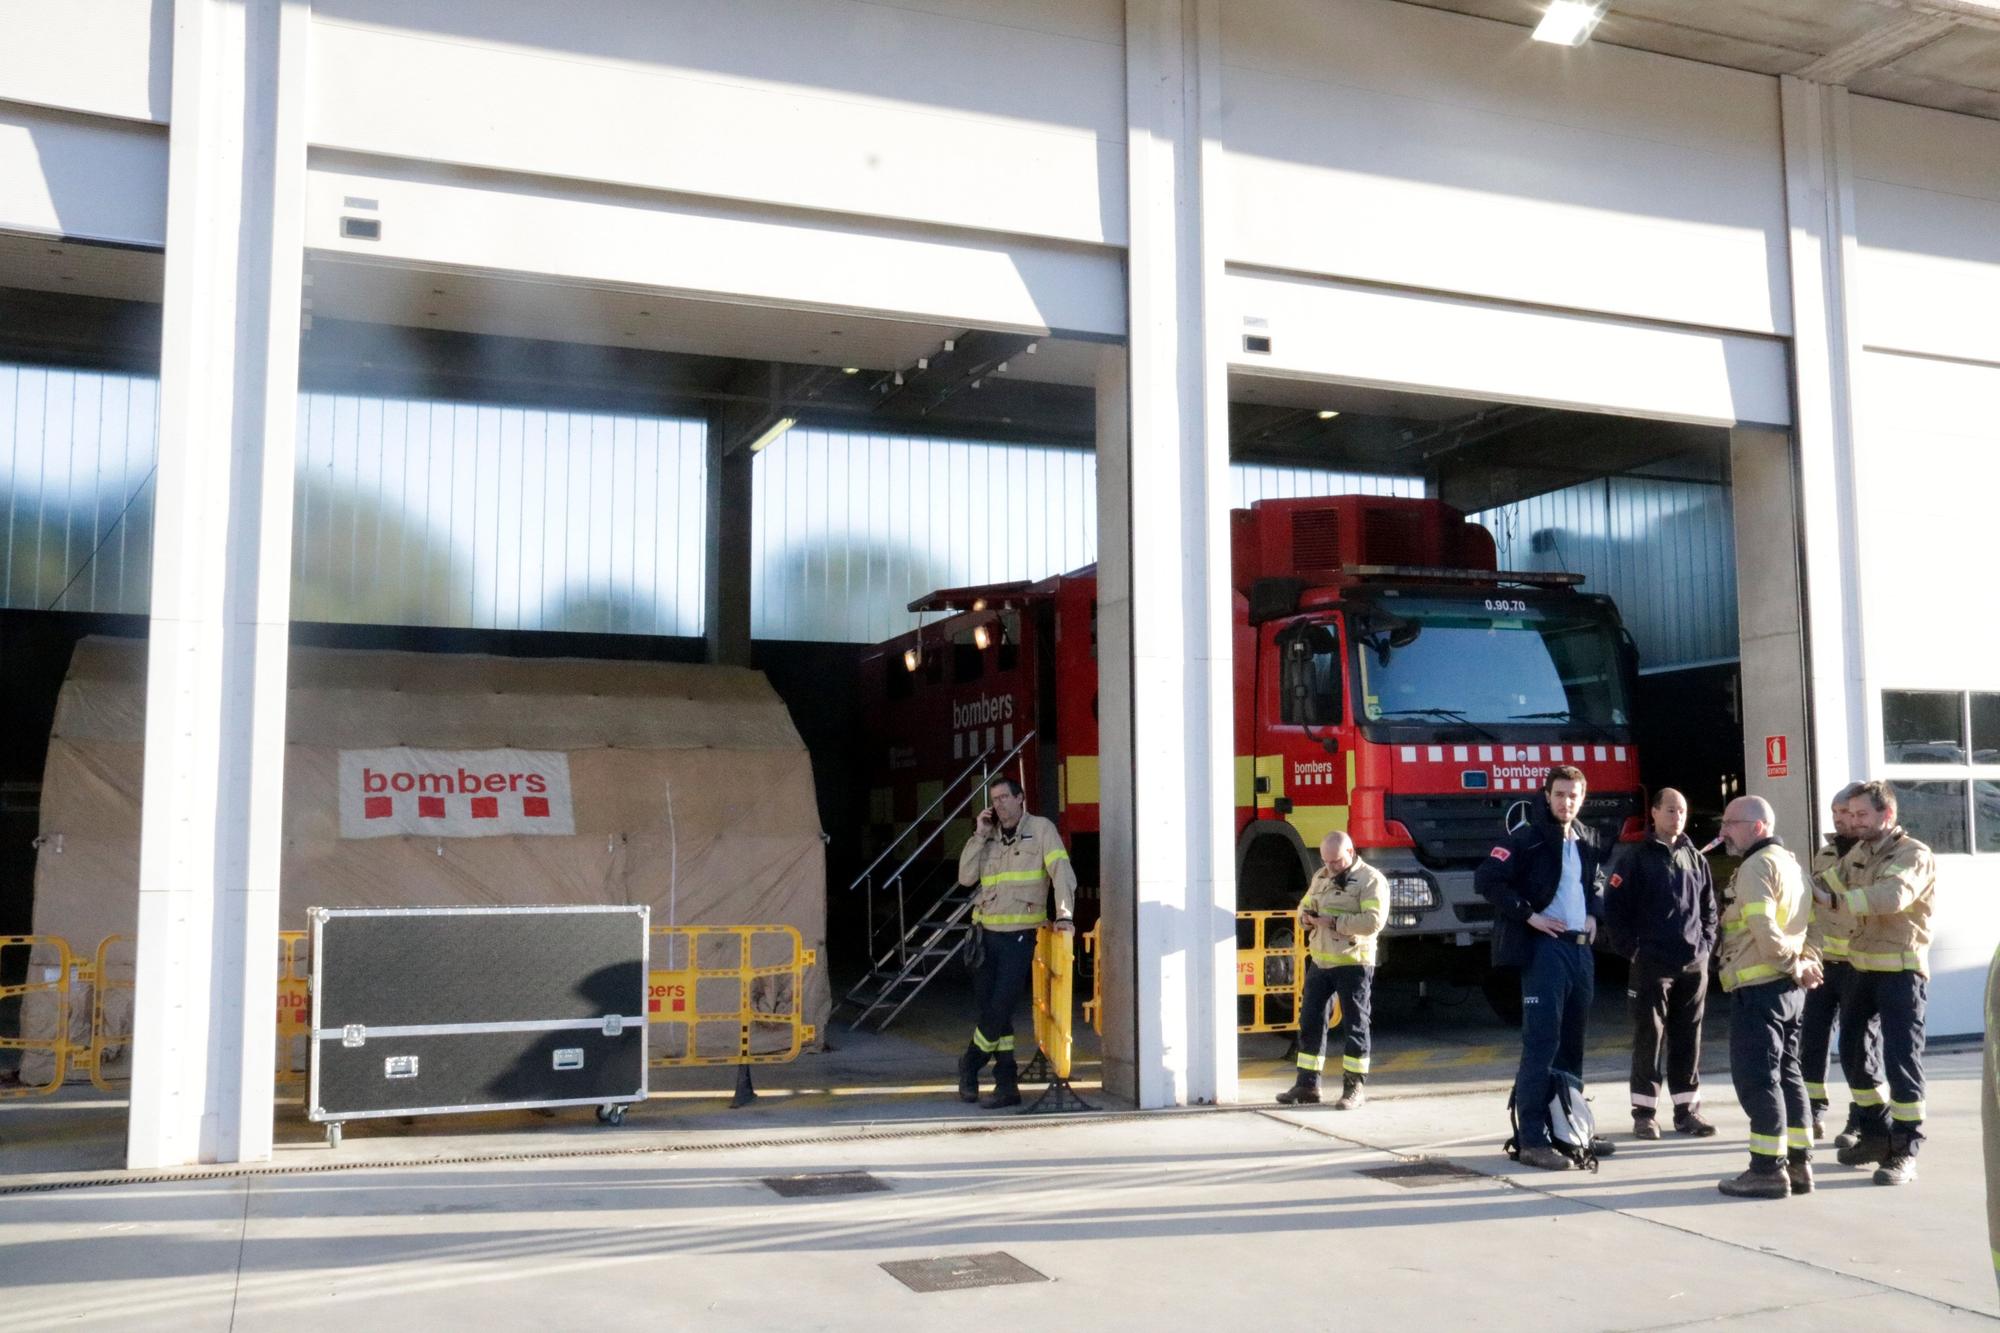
294	1005
103	1042
1267	970
1055	996
55	982
1093	1008
763	994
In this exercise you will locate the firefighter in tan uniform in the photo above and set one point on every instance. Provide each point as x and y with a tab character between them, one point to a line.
1829	928
1767	965
1342	913
1890	880
1015	859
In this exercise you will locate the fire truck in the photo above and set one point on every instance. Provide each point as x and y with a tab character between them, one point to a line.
1391	681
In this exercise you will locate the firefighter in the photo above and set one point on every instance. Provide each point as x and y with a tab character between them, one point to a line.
1342	912
1659	910
1543	884
1015	859
1767	964
1890	881
1829	927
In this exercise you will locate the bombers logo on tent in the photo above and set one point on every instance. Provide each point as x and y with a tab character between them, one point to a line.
454	793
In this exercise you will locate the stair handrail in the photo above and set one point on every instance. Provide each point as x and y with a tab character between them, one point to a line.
866	878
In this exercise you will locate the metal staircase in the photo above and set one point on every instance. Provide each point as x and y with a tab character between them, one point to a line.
906	955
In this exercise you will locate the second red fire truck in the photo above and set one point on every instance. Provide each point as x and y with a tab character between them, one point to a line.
1390	681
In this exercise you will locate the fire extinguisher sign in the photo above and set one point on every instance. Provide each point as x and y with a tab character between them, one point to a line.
1777	762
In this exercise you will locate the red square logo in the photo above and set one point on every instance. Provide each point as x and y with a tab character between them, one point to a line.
486	807
680	1006
430	807
378	807
535	807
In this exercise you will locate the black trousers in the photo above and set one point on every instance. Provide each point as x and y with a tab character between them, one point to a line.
1764	1023
997	987
1667	1008
1354	984
1556	989
1815	1042
1899	1001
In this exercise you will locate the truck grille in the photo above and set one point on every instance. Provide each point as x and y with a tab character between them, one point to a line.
1316	539
1462	829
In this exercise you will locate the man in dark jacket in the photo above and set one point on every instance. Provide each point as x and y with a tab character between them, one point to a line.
1659	911
1543	884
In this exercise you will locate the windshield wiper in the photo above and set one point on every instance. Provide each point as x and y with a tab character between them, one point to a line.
1448	714
1601	731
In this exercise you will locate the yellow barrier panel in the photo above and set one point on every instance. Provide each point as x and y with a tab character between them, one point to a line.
294	1005
761	997
1055	997
98	1054
55	982
1093	1008
1266	970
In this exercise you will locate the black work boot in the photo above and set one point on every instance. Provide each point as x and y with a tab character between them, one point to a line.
1854	1129
1353	1093
1798	1171
1006	1085
1869	1148
1691	1123
1303	1092
1645	1127
969	1066
1759	1183
1899	1164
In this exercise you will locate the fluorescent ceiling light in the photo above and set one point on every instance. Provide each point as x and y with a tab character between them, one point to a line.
1569	22
778	427
1327	414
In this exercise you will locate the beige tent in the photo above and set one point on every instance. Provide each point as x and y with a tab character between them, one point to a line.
683	787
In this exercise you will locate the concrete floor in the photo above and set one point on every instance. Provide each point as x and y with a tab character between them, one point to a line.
1244	1217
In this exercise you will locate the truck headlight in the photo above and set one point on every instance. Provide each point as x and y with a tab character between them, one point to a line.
1412	891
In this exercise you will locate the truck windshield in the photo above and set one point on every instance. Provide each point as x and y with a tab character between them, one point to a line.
1519	665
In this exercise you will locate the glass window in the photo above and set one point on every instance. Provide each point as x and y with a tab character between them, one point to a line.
1986	815
1923	727
1986	728
1516	664
1309	680
1934	812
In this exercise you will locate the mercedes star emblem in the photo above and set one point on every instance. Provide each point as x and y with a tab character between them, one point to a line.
1517	816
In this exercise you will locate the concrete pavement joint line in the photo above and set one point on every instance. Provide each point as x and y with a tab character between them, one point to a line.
1748	1314
242	1244
1012	1125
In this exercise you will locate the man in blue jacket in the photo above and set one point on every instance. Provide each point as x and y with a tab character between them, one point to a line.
1660	912
1543	884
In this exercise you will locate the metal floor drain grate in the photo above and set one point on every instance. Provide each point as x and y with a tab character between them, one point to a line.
825	1183
959	1272
1427	1171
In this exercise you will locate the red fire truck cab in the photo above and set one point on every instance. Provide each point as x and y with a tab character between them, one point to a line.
1390	681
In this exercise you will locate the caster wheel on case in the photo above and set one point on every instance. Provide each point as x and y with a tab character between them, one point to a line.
333	1135
611	1115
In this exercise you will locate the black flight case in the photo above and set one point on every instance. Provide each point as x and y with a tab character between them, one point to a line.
442	1010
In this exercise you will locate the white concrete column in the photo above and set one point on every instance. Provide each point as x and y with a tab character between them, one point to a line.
1169	495
1819	202
202	1050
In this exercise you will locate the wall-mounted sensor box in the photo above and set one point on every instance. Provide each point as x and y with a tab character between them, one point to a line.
361	229
1257	342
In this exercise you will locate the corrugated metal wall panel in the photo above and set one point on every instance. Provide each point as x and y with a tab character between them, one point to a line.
849	528
419	512
76	460
1665	551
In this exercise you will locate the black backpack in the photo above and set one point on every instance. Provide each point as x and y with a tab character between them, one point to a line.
1570	1124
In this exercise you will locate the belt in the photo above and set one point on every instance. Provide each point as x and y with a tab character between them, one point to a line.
1573	937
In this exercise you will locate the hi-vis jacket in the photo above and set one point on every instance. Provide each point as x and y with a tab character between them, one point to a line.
1829	928
1357	899
1015	874
1764	919
1890	886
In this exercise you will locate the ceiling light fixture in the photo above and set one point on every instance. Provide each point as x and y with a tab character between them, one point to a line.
1569	22
1327	414
850	370
777	428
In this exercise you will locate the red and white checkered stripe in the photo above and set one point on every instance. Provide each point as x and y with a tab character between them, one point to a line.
1442	764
